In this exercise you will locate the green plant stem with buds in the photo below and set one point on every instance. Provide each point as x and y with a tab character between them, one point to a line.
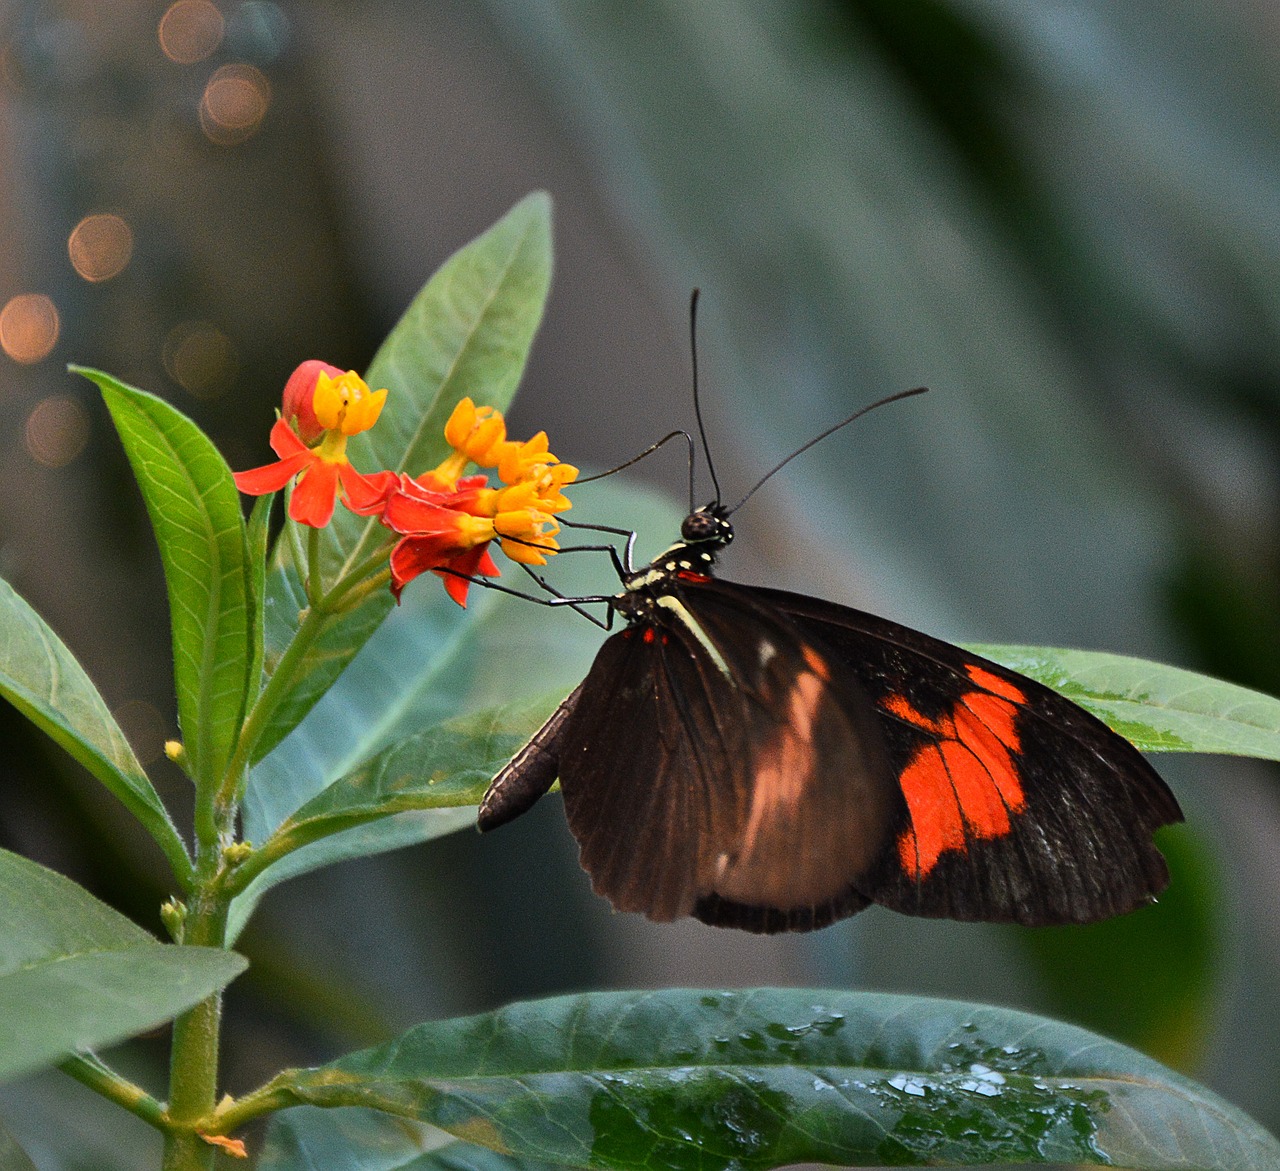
193	1063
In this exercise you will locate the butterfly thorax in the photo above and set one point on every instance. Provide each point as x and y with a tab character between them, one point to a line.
703	534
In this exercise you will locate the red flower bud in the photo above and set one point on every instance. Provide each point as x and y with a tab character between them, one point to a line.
299	396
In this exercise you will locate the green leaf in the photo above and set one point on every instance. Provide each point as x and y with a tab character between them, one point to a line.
256	545
43	680
468	332
1159	708
365	1140
362	841
437	776
12	1156
195	514
685	1079
448	765
74	974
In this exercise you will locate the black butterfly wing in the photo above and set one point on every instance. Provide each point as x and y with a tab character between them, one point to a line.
1018	805
719	763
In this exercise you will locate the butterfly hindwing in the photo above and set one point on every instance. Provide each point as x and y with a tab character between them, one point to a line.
1020	806
720	764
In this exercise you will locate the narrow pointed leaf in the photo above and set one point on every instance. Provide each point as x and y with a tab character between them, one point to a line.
468	332
361	841
420	788
1158	707
257	533
74	974
43	680
195	514
443	767
682	1079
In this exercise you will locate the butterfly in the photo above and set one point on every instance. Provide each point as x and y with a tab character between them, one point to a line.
773	762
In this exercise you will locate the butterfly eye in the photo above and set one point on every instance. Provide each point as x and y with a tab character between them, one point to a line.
702	526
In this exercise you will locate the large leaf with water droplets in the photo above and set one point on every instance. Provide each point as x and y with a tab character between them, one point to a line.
468	332
1158	707
689	1080
74	974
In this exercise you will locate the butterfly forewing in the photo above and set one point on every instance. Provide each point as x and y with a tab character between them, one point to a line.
1019	805
730	769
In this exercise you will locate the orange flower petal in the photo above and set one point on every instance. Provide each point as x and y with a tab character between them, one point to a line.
270	477
313	497
229	1146
366	495
285	441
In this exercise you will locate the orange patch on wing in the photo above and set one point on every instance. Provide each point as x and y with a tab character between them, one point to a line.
993	683
901	707
817	664
785	762
966	785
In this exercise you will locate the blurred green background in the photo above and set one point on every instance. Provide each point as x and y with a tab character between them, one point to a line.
1062	216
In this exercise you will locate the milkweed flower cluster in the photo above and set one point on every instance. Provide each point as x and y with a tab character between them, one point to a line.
445	519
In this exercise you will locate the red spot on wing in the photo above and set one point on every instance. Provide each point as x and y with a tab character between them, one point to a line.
649	634
965	785
689	575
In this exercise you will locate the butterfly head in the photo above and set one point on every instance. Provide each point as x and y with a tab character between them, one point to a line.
709	524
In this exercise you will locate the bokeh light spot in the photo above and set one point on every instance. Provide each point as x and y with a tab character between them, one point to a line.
28	327
200	358
144	727
257	31
190	30
57	430
100	246
234	103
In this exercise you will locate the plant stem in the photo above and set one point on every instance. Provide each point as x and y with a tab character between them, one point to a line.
315	581
89	1070
277	1094
353	595
193	1060
268	699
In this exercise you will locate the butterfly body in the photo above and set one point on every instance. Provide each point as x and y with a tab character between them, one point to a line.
767	761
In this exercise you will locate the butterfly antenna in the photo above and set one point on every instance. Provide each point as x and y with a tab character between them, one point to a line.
697	404
893	398
635	459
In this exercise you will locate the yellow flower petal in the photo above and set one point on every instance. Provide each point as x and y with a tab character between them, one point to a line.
346	403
